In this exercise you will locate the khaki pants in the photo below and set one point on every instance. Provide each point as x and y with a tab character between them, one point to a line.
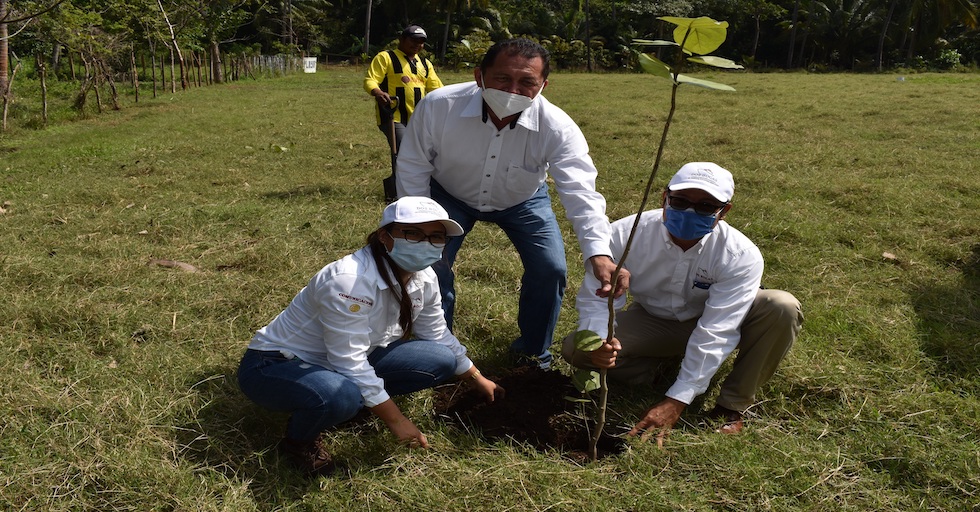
768	332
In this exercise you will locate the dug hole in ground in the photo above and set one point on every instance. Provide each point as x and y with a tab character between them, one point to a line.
535	412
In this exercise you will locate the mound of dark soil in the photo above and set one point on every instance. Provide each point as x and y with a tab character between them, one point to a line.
534	412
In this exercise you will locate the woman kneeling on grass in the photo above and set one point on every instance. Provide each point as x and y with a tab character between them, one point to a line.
366	327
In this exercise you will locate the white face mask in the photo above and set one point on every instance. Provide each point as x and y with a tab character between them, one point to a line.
505	104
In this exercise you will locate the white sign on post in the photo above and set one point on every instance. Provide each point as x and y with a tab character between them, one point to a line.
309	64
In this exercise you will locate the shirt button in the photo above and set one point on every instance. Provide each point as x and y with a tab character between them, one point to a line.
493	156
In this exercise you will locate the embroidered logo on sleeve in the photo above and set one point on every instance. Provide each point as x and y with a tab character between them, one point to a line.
358	301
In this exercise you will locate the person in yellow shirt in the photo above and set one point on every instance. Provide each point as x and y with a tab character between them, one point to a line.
400	75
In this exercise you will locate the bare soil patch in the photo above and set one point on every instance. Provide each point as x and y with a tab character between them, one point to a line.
534	412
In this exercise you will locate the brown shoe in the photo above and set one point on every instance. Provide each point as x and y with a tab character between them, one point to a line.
732	420
309	456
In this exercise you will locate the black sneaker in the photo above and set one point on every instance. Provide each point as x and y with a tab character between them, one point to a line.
308	456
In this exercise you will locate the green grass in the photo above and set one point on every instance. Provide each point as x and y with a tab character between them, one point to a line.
117	388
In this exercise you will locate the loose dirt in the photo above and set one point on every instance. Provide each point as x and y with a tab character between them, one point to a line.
534	412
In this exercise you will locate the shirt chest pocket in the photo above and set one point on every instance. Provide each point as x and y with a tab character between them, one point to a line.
699	289
524	180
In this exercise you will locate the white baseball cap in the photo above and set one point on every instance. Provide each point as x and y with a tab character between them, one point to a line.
706	176
418	210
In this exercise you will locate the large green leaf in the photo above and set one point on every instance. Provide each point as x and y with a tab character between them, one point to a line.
684	79
706	34
654	42
717	62
587	341
655	66
585	380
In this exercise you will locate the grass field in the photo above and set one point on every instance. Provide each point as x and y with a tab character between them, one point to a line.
117	389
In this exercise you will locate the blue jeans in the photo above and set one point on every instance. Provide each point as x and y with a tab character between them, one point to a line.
533	229
318	398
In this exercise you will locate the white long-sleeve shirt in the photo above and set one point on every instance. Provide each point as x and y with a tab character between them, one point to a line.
346	311
447	140
716	280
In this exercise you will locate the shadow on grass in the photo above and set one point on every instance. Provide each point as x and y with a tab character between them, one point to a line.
949	321
234	437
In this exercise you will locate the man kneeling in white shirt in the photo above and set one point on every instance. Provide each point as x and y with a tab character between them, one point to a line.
696	288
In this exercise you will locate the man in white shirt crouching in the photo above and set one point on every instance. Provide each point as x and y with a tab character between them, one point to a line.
696	288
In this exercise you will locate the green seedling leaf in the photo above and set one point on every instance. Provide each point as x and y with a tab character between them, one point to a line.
655	66
587	341
654	42
585	380
684	79
706	34
717	62
577	400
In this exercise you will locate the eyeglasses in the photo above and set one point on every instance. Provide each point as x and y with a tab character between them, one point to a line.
705	209
416	236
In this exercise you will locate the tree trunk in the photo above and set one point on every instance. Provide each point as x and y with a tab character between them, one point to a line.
163	74
8	95
367	27
82	98
914	30
792	34
216	72
4	61
588	38
445	35
42	74
803	47
153	73
197	63
55	60
96	79
174	49
173	73
884	31
136	74
107	76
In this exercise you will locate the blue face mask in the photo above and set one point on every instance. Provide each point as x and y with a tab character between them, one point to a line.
414	256
687	224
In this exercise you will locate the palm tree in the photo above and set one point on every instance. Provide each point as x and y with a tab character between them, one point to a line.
792	33
880	53
449	8
929	19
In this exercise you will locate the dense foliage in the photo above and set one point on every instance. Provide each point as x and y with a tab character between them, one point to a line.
582	34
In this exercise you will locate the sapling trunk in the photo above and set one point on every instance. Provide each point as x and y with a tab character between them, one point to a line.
611	328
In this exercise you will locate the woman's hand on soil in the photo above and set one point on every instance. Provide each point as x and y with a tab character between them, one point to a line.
408	434
489	388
